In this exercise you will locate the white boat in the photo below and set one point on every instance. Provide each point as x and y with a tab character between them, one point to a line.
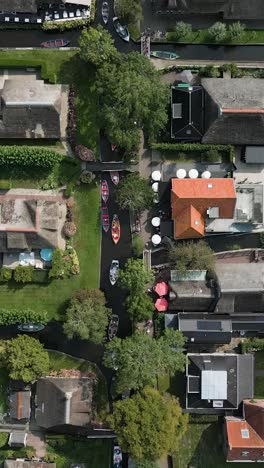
105	12
114	270
113	326
121	30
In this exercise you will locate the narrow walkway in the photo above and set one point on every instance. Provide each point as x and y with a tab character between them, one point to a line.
37	440
161	64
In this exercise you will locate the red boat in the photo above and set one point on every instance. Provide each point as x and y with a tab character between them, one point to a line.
113	147
54	43
105	218
115	229
104	191
114	177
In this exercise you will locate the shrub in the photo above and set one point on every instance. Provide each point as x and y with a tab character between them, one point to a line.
210	71
87	177
69	229
28	156
70	202
85	154
23	274
13	316
182	30
252	344
172	149
212	155
5	274
236	31
69	189
64	263
137	245
69	215
65	25
217	32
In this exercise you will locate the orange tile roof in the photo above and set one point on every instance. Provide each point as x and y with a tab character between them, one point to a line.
234	436
201	194
190	223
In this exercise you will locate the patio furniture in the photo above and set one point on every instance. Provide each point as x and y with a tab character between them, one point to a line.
193	173
155	187
156	239
27	259
156	176
39	265
155	221
181	173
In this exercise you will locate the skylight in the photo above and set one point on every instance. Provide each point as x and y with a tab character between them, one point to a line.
245	433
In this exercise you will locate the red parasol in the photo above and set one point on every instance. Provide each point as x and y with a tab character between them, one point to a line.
161	289
161	304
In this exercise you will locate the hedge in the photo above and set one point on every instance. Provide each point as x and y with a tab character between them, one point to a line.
5	274
65	25
252	344
13	316
40	276
194	148
28	156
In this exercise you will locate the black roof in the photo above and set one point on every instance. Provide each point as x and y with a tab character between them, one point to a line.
202	328
187	113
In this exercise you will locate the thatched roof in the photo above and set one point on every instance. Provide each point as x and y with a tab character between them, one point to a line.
19	6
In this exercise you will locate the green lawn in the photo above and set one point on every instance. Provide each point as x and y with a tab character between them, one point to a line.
200	36
54	296
94	453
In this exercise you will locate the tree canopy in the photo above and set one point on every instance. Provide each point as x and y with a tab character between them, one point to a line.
86	316
182	30
96	46
148	425
130	11
192	256
134	193
139	307
217	32
138	359
131	96
134	277
26	359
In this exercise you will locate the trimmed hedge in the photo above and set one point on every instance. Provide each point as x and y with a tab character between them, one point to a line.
65	25
194	148
40	276
13	316
23	274
252	344
28	156
5	274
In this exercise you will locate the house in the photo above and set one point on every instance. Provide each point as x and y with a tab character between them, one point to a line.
205	328
18	6
218	382
64	401
19	404
27	464
32	109
193	201
30	220
234	111
187	112
244	436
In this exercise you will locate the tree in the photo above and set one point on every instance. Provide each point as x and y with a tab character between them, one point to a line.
96	46
135	277
191	256
131	96
86	317
148	425
217	32
137	245
182	30
210	71
134	193
130	11
26	359
236	31
139	307
138	359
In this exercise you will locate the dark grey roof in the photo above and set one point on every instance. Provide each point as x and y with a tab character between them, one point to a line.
244	9
187	113
19	404
19	6
64	401
190	296
246	377
237	94
17	438
205	328
254	155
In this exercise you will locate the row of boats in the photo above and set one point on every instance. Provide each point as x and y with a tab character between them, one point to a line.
121	30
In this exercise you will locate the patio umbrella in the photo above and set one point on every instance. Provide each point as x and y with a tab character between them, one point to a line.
155	221
156	176
206	175
193	173
156	239
161	304
181	173
161	288
155	187
46	254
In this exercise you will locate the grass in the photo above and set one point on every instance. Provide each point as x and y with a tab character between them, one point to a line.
69	450
201	36
259	360
54	297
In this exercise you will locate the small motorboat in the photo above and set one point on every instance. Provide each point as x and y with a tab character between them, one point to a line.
114	177
113	147
115	229
122	31
31	327
104	191
164	55
113	326
105	218
54	43
114	271
105	12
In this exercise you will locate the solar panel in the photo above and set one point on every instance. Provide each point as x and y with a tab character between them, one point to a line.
209	325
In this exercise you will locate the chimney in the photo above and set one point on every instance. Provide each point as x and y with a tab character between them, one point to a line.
68	396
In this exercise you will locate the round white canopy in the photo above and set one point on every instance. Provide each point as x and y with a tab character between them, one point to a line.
206	175
156	239
193	173
181	173
156	175
155	221
155	187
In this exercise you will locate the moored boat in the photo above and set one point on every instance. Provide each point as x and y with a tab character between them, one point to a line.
105	218
121	30
164	55
54	43
115	229
113	147
105	12
113	326
114	271
104	191
114	177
